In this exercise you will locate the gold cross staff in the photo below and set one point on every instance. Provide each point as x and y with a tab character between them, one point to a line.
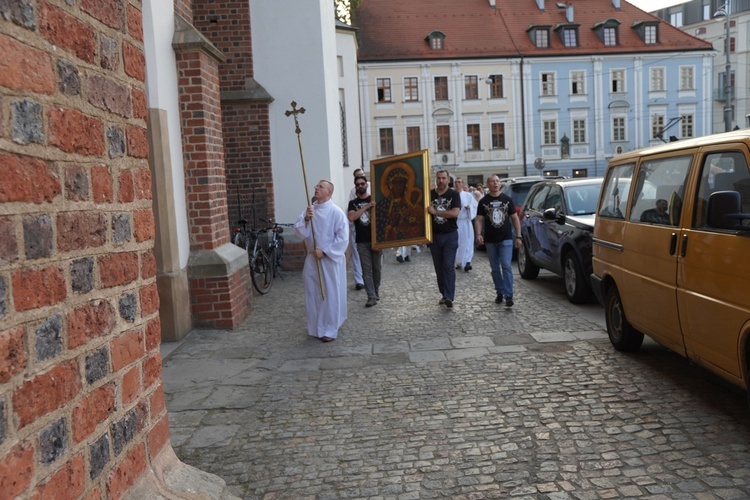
294	112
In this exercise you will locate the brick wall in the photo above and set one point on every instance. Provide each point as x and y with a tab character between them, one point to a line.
82	409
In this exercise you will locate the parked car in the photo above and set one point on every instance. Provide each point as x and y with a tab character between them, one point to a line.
671	248
557	228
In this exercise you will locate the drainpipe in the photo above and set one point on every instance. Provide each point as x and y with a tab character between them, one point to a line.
523	121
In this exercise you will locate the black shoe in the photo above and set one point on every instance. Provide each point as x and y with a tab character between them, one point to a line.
442	301
499	299
407	259
508	302
359	286
371	302
449	303
467	268
458	266
399	258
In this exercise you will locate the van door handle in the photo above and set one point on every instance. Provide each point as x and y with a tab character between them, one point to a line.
673	244
684	245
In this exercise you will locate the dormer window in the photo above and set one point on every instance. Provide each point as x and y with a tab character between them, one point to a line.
648	31
539	36
436	39
568	34
608	32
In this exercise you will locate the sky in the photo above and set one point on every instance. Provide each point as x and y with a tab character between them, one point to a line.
652	5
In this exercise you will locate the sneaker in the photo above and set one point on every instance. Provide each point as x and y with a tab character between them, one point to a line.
371	302
359	286
499	299
509	302
399	258
442	301
467	268
449	303
407	259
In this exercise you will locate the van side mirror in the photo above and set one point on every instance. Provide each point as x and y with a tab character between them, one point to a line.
725	211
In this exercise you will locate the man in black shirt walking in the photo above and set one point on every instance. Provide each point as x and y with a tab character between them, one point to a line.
359	214
444	208
492	226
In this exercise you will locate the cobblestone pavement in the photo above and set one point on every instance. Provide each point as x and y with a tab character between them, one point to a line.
416	401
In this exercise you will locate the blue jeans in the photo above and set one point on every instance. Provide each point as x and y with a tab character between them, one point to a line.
443	250
500	256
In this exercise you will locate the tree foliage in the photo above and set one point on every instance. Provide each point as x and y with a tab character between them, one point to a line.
345	8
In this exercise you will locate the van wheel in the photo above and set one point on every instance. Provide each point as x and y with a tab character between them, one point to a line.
576	287
621	333
527	269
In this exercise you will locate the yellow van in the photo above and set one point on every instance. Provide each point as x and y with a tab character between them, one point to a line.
671	250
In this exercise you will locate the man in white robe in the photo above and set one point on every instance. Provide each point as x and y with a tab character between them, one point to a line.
465	226
324	316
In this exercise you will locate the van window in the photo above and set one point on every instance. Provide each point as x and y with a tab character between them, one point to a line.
615	191
660	185
725	171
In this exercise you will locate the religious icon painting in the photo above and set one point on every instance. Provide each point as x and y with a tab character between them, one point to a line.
400	188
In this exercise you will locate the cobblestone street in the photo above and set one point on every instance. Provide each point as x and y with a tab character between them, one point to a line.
416	401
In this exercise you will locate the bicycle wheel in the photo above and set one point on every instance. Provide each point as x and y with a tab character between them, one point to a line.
261	272
280	254
273	258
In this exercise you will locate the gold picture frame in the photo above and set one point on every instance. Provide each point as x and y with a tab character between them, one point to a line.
400	219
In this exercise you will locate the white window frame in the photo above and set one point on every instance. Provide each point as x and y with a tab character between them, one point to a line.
578	77
617	75
657	122
657	79
687	77
549	132
609	36
387	90
650	35
619	128
547	84
570	37
411	94
579	127
687	125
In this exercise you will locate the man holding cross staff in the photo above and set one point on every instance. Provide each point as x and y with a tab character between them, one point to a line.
325	229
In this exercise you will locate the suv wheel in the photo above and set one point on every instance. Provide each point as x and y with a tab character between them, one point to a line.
527	269
576	287
621	333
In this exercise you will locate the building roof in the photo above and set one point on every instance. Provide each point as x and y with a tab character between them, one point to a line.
398	30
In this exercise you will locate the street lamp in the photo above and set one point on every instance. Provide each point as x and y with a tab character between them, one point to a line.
725	11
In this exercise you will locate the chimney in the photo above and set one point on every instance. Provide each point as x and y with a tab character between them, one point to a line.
540	4
569	13
616	4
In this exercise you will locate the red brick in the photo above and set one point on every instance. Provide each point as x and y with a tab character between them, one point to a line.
25	68
95	494
118	269
137	142
73	132
93	410
135	62
143	183
140	107
158	436
151	370
110	12
13	353
127	472
34	288
90	321
101	184
46	392
109	94
153	333
67	32
16	470
144	225
149	299
81	230
127	348
135	23
158	404
148	264
67	482
126	194
131	385
8	240
27	179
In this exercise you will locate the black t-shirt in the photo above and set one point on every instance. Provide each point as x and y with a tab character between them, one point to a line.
362	225
496	211
443	202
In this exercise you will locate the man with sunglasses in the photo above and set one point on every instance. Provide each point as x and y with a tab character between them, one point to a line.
360	213
353	254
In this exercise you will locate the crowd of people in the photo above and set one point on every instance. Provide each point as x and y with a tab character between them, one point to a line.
461	217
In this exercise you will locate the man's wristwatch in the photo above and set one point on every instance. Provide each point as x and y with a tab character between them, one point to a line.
519	238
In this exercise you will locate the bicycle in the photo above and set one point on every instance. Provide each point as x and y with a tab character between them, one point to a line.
261	270
275	246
